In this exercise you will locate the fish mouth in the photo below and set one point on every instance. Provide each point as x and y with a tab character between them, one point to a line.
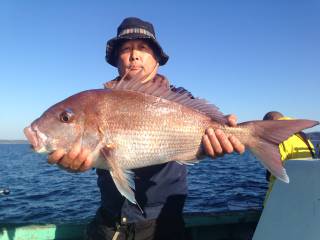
34	139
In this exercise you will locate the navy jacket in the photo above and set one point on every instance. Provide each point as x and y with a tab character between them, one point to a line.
156	187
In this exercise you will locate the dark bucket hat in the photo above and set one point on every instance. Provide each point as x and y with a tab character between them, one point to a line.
130	29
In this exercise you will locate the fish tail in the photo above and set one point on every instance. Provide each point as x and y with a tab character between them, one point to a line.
266	137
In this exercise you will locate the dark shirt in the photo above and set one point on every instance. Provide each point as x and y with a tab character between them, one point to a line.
154	186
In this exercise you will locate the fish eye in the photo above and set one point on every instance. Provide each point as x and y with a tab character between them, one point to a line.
66	116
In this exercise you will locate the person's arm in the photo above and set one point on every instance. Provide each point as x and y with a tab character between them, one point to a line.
216	143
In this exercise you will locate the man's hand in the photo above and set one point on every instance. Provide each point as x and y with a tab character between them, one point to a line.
216	143
77	160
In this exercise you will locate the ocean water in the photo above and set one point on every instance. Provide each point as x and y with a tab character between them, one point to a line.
43	193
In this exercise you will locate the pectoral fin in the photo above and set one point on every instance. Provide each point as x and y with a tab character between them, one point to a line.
123	179
189	163
186	159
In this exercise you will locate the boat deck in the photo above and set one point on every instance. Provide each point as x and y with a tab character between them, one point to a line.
235	225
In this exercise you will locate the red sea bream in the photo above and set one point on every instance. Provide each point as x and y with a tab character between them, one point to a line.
135	125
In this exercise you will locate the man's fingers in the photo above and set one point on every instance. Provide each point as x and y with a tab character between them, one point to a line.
216	144
86	165
232	120
237	145
213	146
68	159
56	156
207	146
65	161
75	151
77	162
225	144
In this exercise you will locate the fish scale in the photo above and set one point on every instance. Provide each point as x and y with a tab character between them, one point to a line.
145	147
179	134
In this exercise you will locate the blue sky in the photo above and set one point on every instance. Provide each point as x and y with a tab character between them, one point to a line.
247	57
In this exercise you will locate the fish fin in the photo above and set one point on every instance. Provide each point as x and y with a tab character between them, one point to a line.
188	162
266	137
270	158
129	175
186	159
123	179
182	96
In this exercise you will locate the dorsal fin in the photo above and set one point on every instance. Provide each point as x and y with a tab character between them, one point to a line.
178	95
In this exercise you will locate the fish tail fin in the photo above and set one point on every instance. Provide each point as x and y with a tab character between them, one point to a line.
265	139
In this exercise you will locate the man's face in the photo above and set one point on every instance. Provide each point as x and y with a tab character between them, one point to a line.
135	56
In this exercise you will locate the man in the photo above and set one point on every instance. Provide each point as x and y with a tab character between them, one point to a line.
298	146
160	190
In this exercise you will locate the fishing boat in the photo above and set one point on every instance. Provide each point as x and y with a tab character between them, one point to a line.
291	212
238	225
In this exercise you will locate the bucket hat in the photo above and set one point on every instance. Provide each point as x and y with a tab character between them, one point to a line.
133	28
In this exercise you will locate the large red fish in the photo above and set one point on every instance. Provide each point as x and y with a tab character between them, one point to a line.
135	125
